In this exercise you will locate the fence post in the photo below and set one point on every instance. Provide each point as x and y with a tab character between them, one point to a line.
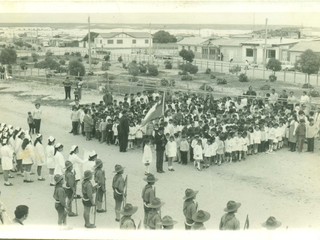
264	73
253	72
294	76
305	78
214	66
207	64
284	75
221	67
317	78
31	71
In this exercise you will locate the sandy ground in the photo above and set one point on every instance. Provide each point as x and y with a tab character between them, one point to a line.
284	184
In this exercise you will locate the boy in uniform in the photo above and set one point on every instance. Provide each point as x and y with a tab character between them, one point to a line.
60	196
99	178
118	185
70	188
189	207
148	194
126	222
154	219
87	198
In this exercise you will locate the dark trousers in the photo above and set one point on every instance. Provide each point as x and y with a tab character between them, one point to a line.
37	123
31	128
300	142
184	157
159	160
292	146
310	144
75	126
82	129
123	142
109	137
67	91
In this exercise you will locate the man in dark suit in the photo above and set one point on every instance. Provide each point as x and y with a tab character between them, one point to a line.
123	132
160	142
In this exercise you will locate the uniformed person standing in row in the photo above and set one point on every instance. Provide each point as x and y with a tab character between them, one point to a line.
229	220
199	218
126	221
70	187
148	194
100	179
154	218
60	196
167	223
87	198
189	207
118	186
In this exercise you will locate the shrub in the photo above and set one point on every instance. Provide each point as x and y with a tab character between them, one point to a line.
107	57
208	71
62	62
272	78
314	93
86	56
221	81
133	79
235	69
23	66
95	62
35	57
66	53
105	66
142	68
206	87
25	58
167	83
243	77
78	54
307	85
112	77
120	59
182	73
186	78
153	70
188	67
265	87
124	66
167	65
212	76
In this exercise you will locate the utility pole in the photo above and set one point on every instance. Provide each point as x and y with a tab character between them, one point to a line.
89	42
265	44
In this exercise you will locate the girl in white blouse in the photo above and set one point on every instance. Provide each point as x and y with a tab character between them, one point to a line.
50	159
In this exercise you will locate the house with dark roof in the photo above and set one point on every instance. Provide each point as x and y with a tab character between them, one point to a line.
123	40
302	46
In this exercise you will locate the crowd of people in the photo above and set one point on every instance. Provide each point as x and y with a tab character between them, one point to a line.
201	129
194	128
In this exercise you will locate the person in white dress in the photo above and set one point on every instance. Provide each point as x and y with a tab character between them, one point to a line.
198	154
6	155
40	155
171	152
147	156
50	159
18	150
28	158
77	165
59	159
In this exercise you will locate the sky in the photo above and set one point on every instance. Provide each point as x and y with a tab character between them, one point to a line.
285	12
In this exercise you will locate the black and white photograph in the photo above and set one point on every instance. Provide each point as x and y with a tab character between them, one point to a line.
119	118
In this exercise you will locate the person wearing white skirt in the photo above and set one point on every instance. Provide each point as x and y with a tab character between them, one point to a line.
40	155
77	166
50	159
147	156
6	155
28	158
58	159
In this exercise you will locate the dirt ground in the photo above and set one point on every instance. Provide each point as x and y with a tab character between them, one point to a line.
283	184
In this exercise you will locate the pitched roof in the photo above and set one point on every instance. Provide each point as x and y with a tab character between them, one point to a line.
303	46
192	41
227	42
272	41
132	34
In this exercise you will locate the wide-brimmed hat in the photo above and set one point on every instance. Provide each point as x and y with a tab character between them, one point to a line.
167	221
38	135
232	206
51	139
271	223
73	148
189	193
156	203
128	210
58	145
4	141
201	216
93	154
118	168
150	178
58	178
68	164
98	163
87	174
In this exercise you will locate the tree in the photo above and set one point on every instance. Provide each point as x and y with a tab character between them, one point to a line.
48	63
186	55
76	68
153	70
35	57
133	68
308	63
274	65
8	56
164	37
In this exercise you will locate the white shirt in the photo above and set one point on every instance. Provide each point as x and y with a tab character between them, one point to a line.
59	163
147	154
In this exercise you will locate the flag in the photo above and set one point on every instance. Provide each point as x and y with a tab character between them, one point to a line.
246	224
155	112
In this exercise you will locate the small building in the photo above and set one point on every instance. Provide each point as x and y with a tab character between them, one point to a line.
302	46
195	44
135	41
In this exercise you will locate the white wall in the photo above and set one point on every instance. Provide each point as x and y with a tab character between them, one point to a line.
127	42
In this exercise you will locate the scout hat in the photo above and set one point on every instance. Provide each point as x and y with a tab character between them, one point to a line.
128	210
98	163
93	154
51	139
4	141
68	164
156	203
189	193
118	168
271	223
232	206
87	174
150	178
168	221
201	216
38	135
73	148
58	178
58	145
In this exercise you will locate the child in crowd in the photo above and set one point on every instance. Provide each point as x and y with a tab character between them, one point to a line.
115	132
214	148
301	134
256	139
311	133
109	131
147	156
198	154
184	149
139	134
103	130
228	148
132	135
31	124
171	152
207	153
220	150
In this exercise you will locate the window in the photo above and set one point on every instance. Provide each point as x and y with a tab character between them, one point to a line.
110	41
212	51
134	41
271	53
249	52
146	41
119	41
